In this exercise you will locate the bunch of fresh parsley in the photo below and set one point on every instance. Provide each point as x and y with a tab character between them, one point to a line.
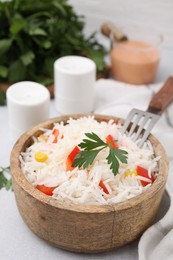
33	34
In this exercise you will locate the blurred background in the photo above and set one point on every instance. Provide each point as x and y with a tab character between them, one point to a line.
150	13
156	14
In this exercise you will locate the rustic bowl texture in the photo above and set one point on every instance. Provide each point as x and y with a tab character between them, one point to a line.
81	228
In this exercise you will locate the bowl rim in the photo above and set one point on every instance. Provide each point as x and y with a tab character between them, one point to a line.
18	176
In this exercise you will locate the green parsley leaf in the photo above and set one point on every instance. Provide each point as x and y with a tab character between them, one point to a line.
85	158
93	143
113	161
92	146
27	58
2	98
5	182
121	154
3	71
2	180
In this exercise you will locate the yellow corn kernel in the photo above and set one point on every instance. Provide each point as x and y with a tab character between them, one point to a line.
40	156
130	173
43	137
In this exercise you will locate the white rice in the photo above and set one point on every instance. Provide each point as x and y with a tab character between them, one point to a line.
81	186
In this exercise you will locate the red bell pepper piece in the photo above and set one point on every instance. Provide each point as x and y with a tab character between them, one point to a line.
107	121
55	132
46	190
71	157
144	173
109	139
101	184
114	123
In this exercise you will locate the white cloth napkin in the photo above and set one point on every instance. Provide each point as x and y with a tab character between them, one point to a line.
117	99
157	241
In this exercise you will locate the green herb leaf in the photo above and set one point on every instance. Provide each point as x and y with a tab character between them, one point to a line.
116	155
113	161
92	146
18	24
121	154
3	71
37	31
5	179
17	71
2	98
47	44
2	180
60	7
85	158
5	45
27	58
93	143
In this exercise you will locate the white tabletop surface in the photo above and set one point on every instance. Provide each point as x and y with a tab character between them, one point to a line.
17	242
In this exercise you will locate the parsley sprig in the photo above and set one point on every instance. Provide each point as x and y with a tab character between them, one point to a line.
5	178
91	148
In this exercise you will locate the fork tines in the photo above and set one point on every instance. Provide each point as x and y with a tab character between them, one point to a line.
139	124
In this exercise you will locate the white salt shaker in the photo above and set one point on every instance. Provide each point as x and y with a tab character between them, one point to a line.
28	104
74	79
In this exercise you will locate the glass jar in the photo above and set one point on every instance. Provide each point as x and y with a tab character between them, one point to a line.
136	60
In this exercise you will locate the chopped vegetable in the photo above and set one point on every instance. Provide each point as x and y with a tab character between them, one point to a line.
144	173
46	190
40	156
112	123
55	132
92	147
111	141
130	173
102	185
71	157
43	137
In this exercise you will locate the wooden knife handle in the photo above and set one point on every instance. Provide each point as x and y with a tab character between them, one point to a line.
111	31
163	98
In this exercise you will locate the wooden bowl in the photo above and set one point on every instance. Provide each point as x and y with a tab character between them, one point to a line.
82	228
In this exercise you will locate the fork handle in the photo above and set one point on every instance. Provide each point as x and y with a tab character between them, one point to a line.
162	99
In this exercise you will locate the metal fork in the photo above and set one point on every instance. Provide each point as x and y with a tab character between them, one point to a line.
139	124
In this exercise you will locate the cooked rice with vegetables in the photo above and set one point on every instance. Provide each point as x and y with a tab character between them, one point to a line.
89	162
